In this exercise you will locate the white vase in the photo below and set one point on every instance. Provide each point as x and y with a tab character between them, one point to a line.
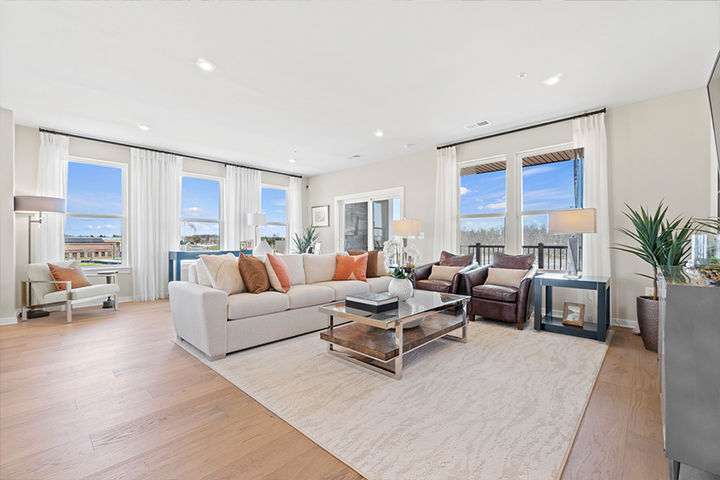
401	288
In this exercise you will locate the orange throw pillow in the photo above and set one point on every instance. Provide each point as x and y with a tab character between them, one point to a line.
372	263
72	272
253	273
351	267
282	272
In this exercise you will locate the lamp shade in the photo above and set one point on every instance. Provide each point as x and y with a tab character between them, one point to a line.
575	220
406	228
257	219
30	203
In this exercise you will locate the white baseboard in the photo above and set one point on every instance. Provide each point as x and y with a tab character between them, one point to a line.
624	322
8	320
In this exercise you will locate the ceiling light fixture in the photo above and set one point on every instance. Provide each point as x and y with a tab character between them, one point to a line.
204	64
483	123
354	156
408	145
554	80
143	127
379	133
291	160
522	75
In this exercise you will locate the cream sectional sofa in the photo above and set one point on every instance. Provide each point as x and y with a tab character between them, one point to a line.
217	323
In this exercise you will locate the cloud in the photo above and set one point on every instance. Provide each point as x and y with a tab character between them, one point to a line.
495	206
192	211
538	169
464	190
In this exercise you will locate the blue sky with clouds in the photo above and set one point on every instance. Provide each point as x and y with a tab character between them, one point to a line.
93	189
274	204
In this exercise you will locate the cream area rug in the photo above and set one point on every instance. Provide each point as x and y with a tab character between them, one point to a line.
505	405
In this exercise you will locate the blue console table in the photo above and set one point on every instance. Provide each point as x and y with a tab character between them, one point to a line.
601	285
175	257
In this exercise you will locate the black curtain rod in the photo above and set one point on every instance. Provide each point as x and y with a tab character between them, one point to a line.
520	129
129	145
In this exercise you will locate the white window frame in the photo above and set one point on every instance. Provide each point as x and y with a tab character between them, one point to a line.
483	161
368	197
125	265
279	224
221	182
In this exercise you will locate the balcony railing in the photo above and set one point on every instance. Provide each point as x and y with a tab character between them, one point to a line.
547	257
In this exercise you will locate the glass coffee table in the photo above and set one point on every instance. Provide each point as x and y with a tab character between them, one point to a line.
378	341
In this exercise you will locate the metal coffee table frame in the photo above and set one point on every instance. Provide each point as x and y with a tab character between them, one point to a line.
394	367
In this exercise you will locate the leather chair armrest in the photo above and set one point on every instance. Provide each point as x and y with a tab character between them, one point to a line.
525	292
458	281
422	273
473	278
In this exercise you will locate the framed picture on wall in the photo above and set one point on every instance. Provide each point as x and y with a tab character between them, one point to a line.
321	216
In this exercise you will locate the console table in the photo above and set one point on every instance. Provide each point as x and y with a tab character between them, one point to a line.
549	323
175	257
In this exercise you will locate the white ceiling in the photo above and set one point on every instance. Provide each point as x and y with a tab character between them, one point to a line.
315	80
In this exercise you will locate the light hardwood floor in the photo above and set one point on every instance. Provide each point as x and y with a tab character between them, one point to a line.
111	396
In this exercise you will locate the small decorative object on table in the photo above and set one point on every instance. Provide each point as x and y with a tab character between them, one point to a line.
401	286
573	314
706	251
372	302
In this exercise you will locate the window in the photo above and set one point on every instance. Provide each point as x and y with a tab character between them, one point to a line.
200	213
550	181
95	220
273	202
366	219
483	205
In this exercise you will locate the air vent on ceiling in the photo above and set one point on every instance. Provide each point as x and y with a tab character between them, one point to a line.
478	124
353	157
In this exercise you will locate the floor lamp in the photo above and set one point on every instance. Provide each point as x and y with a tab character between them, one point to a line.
37	205
573	221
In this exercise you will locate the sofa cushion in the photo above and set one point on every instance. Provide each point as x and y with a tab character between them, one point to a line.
254	273
447	258
99	290
297	271
351	267
379	284
442	286
495	292
319	268
72	273
519	262
343	288
242	305
506	277
307	295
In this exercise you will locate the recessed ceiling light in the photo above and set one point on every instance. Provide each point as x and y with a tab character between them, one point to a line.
483	123
354	156
291	160
379	133
143	127
522	75
205	65
408	145
554	80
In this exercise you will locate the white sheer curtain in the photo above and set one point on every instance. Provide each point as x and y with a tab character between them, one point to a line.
49	238
242	196
294	203
589	133
155	182
446	202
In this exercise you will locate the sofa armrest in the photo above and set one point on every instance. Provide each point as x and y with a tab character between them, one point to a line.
200	317
473	278
422	273
525	294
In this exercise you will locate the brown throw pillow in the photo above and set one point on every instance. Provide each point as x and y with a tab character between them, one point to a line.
372	262
450	259
254	273
72	272
518	262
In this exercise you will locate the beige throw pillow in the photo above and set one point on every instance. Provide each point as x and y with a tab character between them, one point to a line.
223	272
505	277
381	271
319	268
443	272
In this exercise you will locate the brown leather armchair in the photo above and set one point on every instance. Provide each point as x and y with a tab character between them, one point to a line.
497	302
421	276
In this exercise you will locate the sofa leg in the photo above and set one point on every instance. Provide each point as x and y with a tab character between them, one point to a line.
115	302
521	325
217	357
68	311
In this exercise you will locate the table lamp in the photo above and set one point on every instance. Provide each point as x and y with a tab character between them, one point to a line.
33	204
405	228
257	220
573	221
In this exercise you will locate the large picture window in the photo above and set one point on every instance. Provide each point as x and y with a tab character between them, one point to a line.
95	220
273	202
483	206
200	211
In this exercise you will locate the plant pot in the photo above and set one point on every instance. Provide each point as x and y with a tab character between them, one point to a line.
647	314
401	288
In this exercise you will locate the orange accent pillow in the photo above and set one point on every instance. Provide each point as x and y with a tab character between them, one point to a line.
72	272
253	273
372	263
351	267
282	272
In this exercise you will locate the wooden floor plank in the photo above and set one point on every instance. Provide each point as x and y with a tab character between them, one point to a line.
111	396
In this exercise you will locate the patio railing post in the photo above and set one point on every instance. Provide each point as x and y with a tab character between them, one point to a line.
477	253
541	255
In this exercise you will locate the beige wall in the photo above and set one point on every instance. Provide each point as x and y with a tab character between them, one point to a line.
27	146
657	149
7	217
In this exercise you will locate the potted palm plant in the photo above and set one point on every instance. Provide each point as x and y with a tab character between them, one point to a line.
658	241
304	241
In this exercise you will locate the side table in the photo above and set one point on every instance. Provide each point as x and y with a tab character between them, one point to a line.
110	277
596	331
